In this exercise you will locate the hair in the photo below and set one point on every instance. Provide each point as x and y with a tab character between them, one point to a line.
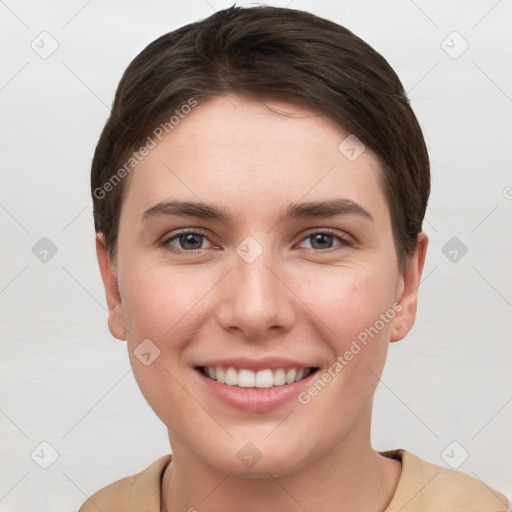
267	52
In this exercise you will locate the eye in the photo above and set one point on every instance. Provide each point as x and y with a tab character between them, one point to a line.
186	241
322	240
192	241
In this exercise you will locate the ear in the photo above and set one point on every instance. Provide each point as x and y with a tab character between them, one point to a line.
116	323
409	284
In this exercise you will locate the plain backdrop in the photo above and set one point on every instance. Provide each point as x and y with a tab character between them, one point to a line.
446	392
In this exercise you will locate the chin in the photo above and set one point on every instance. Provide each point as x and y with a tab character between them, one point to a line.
258	459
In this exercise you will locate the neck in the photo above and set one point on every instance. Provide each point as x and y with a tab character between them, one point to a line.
350	477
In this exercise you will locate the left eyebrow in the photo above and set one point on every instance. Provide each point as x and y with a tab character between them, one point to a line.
327	208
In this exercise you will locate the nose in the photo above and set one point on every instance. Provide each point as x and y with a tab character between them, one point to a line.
255	299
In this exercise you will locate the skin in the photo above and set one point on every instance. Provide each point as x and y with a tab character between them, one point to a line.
295	300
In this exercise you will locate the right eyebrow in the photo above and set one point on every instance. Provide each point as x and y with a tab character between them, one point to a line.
314	209
185	208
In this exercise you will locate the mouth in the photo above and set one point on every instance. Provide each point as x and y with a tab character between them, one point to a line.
253	385
262	379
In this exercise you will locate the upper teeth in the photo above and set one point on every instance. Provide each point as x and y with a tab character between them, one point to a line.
245	378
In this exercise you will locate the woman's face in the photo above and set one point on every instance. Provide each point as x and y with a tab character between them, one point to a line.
299	273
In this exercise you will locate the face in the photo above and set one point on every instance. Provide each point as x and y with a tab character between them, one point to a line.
265	310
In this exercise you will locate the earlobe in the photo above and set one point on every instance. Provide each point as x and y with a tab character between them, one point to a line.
408	299
116	322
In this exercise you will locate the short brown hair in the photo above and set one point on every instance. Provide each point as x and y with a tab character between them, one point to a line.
268	52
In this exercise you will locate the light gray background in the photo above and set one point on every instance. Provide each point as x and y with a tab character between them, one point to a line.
65	380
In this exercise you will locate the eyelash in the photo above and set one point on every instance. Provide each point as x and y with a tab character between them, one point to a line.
344	241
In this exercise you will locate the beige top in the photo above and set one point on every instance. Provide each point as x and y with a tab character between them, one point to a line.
423	487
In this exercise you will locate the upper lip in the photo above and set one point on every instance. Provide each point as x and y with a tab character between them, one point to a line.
255	364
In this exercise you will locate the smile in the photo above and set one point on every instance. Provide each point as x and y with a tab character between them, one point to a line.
262	379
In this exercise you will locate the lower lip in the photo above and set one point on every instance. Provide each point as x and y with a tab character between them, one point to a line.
255	399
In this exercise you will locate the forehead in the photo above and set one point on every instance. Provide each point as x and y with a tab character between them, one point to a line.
255	156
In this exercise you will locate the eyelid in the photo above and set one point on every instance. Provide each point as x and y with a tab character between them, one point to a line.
186	231
168	237
344	238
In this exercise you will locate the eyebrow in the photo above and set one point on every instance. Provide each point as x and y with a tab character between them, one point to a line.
313	209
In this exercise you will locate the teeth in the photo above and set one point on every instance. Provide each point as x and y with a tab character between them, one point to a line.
264	379
279	377
231	377
290	375
221	375
245	378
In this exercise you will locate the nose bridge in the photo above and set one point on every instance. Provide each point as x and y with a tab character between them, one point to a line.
257	282
256	300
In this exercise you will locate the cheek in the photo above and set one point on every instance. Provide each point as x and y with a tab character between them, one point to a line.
161	304
166	306
357	308
353	304
351	301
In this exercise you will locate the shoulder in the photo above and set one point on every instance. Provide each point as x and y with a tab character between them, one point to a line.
128	493
427	487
